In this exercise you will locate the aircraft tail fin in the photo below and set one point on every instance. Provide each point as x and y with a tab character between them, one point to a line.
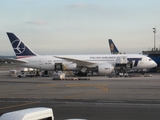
112	46
21	50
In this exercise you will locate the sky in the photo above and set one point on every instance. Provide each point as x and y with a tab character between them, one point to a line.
80	26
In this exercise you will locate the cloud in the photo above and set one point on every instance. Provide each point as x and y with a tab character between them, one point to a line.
78	5
37	22
27	2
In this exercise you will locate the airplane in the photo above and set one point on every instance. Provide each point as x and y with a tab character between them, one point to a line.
103	64
113	47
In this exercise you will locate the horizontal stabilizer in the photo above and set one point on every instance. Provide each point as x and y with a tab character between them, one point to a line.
16	60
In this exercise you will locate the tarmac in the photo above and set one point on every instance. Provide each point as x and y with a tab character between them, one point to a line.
99	98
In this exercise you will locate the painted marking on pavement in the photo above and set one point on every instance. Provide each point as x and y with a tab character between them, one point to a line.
12	106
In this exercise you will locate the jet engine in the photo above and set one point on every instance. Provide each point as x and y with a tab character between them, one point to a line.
105	68
70	66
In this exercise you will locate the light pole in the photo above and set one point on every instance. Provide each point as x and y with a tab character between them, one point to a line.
154	31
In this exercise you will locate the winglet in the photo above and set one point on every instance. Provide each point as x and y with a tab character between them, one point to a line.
21	50
112	46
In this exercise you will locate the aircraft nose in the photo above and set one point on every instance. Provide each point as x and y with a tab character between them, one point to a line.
154	64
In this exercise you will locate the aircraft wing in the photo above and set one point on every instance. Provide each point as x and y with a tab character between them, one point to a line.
77	61
16	60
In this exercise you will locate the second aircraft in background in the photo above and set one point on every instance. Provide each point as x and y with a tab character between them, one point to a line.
112	47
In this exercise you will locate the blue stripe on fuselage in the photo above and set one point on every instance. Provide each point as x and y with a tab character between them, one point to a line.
134	59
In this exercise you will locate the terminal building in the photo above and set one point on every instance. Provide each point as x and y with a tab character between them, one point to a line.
154	54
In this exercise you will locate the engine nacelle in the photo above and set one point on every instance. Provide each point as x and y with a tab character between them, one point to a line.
105	68
70	66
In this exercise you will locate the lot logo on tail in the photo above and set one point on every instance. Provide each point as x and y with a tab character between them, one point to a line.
18	46
21	50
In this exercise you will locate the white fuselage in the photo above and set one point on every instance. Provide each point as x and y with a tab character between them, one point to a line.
47	62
